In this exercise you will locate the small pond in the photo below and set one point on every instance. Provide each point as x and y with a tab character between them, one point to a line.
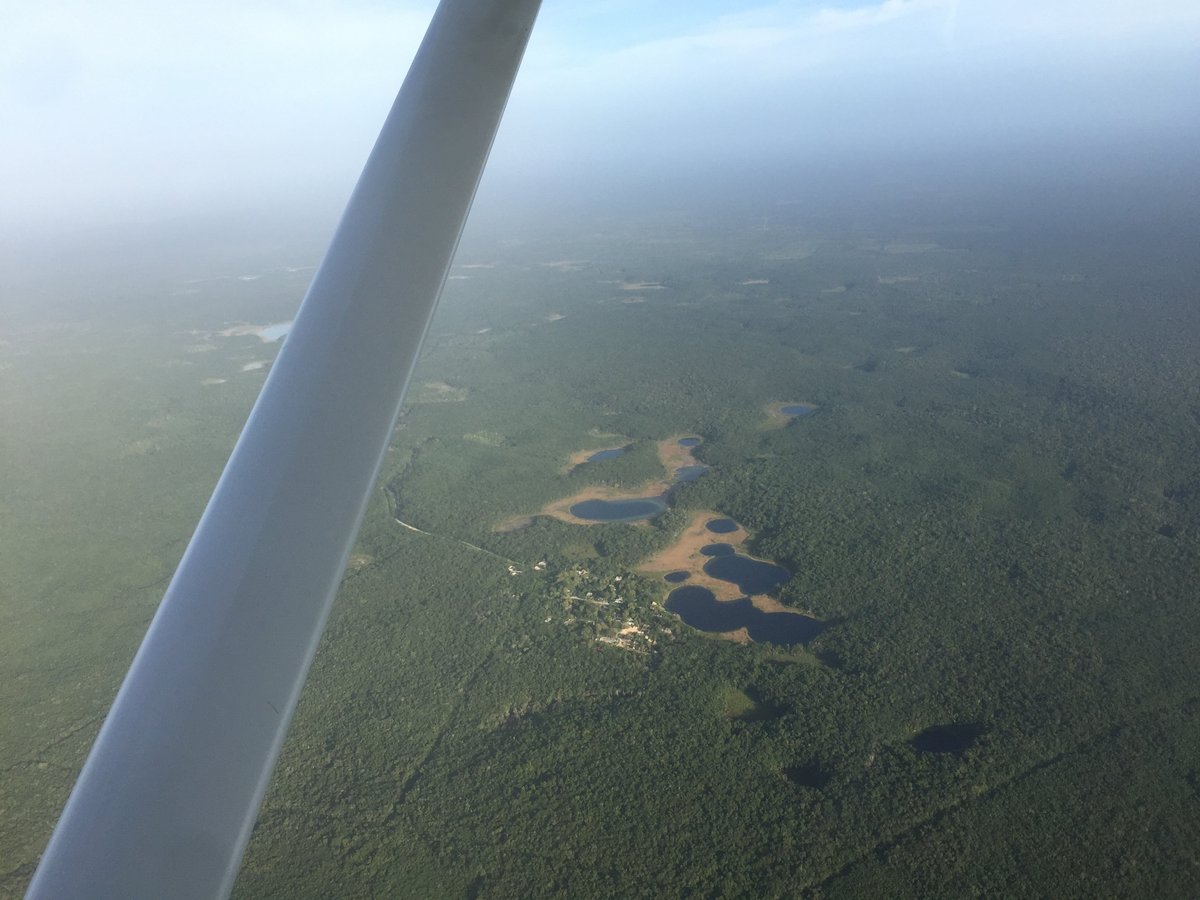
690	442
721	526
700	609
689	473
601	455
619	510
677	577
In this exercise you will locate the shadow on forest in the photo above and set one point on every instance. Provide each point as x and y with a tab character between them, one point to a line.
957	737
807	775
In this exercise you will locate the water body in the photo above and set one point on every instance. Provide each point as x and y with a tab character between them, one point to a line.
602	455
638	508
716	550
750	575
721	526
619	510
798	409
677	577
700	609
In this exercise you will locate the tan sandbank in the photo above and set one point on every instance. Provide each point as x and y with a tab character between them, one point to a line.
670	453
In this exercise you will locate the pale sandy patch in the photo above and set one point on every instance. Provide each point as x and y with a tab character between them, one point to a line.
755	281
268	334
555	317
255	366
208	381
685	554
514	523
770	604
240	330
670	454
741	636
440	392
674	455
642	286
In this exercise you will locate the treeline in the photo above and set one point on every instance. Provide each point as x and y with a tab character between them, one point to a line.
979	529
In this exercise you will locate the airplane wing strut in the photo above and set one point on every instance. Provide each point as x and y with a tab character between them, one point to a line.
166	801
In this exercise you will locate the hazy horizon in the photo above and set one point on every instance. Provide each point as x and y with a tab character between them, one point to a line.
135	114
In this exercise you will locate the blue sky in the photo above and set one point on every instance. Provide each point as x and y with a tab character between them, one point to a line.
128	108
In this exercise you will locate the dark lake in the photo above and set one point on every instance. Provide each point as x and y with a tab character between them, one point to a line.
721	526
689	473
618	510
701	610
601	455
751	576
689	442
677	577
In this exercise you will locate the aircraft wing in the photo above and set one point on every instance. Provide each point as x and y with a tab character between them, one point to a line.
166	801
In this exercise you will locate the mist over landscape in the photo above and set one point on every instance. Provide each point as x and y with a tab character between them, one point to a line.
130	113
799	491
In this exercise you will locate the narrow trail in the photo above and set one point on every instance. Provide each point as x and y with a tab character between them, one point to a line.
448	724
463	543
